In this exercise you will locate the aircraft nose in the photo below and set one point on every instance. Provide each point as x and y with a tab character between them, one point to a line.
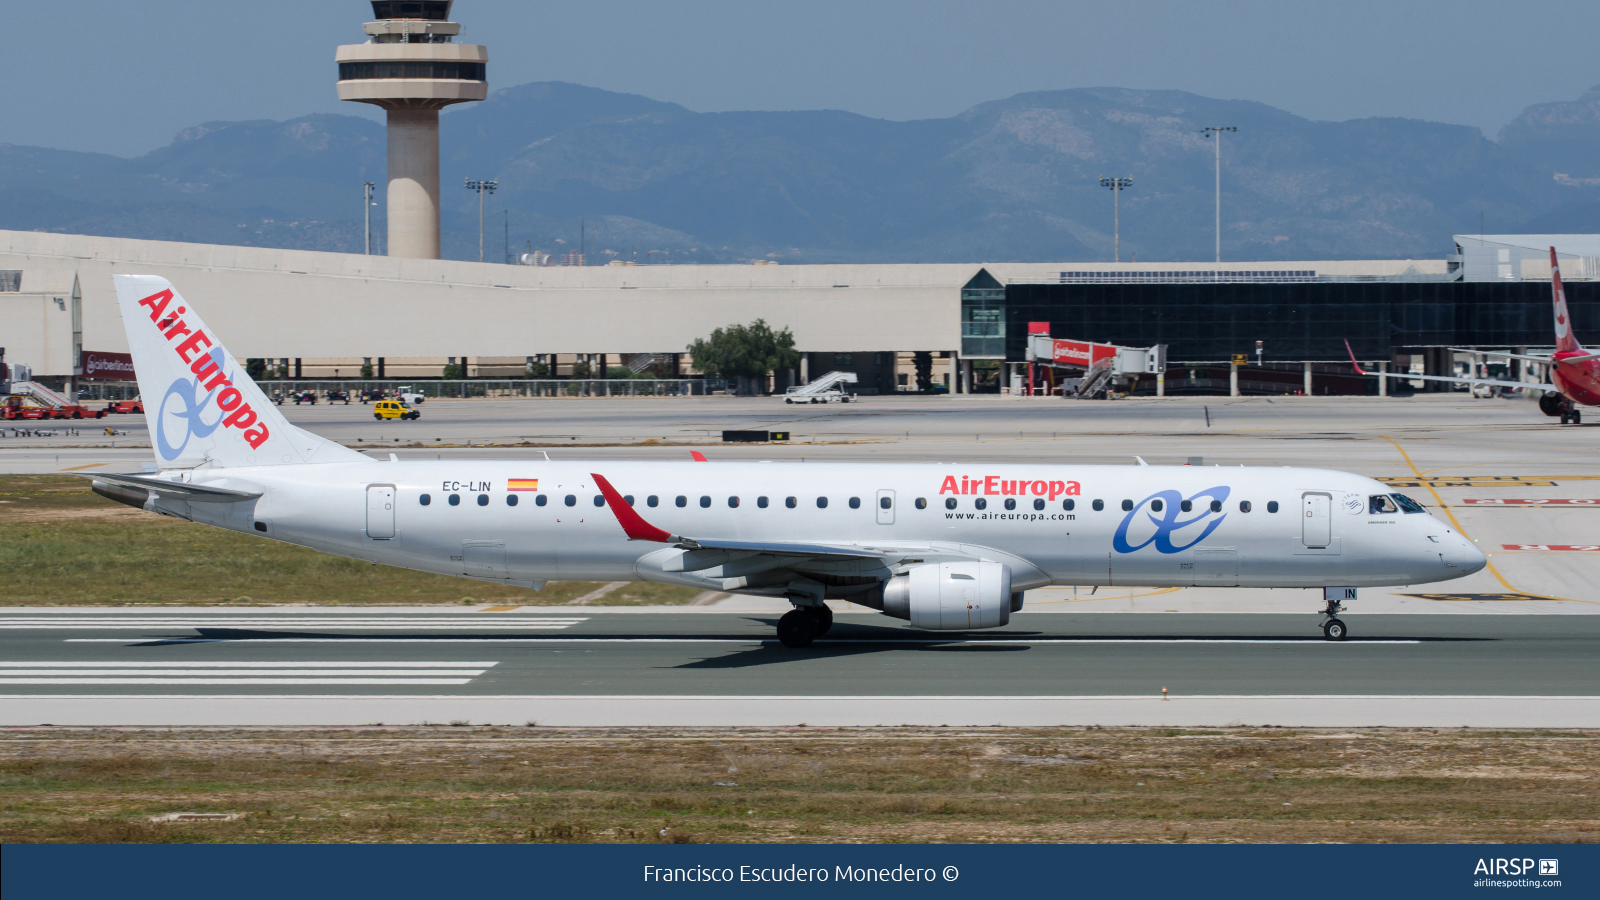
1462	555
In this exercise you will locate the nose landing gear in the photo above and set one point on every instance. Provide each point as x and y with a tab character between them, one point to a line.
1333	628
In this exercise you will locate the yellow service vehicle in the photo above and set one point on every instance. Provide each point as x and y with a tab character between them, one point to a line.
393	409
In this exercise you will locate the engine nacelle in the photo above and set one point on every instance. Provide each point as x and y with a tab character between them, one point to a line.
1554	404
951	596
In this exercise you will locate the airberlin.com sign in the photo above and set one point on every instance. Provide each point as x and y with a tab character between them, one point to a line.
111	366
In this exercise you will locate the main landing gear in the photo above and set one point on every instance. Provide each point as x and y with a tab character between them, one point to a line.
1333	628
804	624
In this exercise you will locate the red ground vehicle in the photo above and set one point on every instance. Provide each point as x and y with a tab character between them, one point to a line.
126	406
14	408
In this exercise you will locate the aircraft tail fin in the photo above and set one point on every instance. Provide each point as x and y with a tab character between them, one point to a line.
1565	340
201	407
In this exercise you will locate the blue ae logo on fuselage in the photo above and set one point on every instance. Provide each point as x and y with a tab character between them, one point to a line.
187	414
1170	523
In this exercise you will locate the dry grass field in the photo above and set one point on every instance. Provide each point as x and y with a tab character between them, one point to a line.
61	544
512	784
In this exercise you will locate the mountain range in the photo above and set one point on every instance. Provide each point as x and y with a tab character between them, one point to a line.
625	176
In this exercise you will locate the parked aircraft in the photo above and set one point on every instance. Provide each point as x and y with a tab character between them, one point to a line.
1574	371
946	546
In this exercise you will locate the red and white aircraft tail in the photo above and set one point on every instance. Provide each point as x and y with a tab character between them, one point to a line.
1566	342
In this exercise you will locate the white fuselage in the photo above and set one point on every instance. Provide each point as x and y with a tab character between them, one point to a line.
1253	527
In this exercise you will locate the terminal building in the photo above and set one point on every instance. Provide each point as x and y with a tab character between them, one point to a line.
963	327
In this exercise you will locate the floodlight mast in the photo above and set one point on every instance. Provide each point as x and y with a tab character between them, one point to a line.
1116	185
1215	133
482	187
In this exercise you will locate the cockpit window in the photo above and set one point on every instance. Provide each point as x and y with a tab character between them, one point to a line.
1380	503
1408	504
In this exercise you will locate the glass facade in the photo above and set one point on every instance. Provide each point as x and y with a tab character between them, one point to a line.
983	318
435	10
453	71
1305	321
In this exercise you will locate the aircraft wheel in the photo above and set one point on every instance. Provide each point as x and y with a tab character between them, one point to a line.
824	617
797	628
1577	417
1565	418
1334	630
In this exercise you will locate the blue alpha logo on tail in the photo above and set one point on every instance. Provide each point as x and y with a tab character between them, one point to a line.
187	413
1160	516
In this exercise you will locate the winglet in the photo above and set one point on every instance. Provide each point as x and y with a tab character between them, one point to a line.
697	456
1353	358
632	523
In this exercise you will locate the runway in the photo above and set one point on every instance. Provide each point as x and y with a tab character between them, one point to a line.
300	667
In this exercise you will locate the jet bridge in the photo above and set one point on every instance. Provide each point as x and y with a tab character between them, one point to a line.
1086	369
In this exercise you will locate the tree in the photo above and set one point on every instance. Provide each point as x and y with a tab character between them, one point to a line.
745	352
366	370
255	368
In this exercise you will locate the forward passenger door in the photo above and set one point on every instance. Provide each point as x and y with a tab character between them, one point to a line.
1316	522
380	511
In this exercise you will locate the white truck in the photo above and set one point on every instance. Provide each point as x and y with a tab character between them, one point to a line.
823	390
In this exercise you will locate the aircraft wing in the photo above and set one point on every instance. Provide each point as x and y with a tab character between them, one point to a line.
638	529
1537	359
194	493
1411	377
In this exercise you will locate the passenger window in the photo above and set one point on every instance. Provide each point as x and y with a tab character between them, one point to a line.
1272	506
1011	503
822	503
425	499
540	500
761	503
790	502
885	503
1127	506
570	500
1069	504
483	499
705	501
922	503
1186	506
1157	505
511	499
628	499
682	501
980	503
1098	505
455	499
1216	506
1244	506
1038	504
652	501
733	502
1380	503
1407	504
949	503
855	502
599	500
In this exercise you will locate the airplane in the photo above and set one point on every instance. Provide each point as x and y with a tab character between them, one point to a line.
1574	371
950	546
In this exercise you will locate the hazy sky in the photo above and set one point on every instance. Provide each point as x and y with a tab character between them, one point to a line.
122	77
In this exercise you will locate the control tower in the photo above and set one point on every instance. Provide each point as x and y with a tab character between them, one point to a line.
412	67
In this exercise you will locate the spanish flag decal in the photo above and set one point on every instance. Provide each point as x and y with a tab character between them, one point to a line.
522	484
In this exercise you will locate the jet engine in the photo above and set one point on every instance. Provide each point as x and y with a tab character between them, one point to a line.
1554	404
948	596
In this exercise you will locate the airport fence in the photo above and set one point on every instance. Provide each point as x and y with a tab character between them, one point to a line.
508	388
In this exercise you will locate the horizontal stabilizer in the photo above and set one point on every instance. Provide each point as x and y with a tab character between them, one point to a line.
194	493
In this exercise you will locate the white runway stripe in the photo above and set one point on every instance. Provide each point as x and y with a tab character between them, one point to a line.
529	623
252	665
231	681
101	672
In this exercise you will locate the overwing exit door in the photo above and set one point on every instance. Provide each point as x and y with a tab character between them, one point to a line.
1316	523
380	511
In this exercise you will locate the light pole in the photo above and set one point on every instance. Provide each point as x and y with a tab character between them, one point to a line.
482	187
366	207
1116	186
1215	132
